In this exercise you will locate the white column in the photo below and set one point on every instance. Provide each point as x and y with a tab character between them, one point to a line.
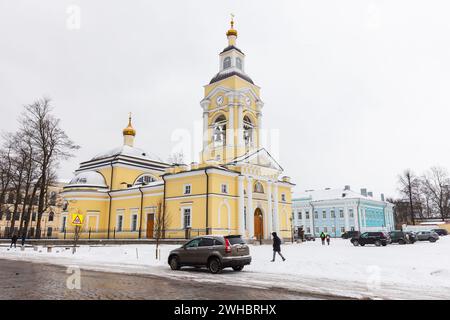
239	131
205	131
346	218
250	217
275	208
259	121
355	217
311	220
230	129
269	210
241	222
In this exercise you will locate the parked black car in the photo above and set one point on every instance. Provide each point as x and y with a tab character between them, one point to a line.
412	236
401	237
376	238
441	232
350	234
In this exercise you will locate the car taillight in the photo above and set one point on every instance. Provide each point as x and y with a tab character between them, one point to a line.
227	246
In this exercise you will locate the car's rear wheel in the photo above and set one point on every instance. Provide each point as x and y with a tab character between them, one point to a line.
238	268
214	265
384	244
378	243
174	264
432	240
355	243
362	244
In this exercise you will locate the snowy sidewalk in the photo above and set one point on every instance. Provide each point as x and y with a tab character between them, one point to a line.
418	271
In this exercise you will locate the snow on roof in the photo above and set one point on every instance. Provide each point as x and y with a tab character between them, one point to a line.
331	194
127	151
88	178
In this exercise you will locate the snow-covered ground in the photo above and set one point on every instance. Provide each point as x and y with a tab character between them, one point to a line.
418	271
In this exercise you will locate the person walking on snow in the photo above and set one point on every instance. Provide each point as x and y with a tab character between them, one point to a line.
24	237
322	237
328	239
276	246
13	240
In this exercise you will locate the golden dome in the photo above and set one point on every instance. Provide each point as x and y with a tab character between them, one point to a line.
232	31
129	131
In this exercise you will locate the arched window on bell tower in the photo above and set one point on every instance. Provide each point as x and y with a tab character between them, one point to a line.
219	131
248	132
227	63
239	63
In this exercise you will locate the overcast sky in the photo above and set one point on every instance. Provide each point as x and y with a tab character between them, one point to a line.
359	90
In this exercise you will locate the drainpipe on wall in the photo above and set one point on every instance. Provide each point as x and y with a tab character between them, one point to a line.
164	203
207	202
110	198
140	219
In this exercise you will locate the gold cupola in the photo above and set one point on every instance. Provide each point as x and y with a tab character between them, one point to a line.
129	133
232	33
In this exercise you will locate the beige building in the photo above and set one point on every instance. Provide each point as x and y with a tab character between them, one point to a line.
50	223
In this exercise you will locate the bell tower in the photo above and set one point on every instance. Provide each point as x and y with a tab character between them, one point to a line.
232	114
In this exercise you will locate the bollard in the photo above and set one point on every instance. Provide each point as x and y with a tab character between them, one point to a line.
49	249
35	248
22	248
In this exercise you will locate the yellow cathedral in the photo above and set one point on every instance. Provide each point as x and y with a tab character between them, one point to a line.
236	188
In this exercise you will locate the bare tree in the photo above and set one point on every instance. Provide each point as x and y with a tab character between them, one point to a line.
50	142
410	189
161	225
436	186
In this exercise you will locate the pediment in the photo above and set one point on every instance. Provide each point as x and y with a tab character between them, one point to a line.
261	158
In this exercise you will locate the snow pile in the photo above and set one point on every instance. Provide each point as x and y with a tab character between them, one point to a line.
418	271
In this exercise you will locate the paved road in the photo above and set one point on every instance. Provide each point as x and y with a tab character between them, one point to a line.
26	280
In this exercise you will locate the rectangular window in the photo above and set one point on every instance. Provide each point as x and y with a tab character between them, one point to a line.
333	215
350	213
187	189
342	229
325	229
224	188
317	230
307	214
316	214
283	197
134	219
308	229
324	214
333	229
341	213
119	223
187	218
49	231
299	215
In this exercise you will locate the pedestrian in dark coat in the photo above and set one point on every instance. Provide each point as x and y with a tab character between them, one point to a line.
24	237
328	239
322	237
276	246
13	240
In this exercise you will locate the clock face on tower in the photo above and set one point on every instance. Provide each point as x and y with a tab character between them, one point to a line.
219	100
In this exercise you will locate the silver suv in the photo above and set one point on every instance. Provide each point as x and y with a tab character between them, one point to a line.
427	236
214	252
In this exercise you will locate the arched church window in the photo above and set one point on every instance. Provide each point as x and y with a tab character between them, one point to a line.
239	63
219	131
144	179
227	63
258	187
248	132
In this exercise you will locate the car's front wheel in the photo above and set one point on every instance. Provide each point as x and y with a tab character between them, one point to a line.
378	243
401	241
238	268
174	264
214	265
432	240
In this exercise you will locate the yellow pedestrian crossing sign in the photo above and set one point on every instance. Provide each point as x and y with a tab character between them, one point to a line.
77	219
